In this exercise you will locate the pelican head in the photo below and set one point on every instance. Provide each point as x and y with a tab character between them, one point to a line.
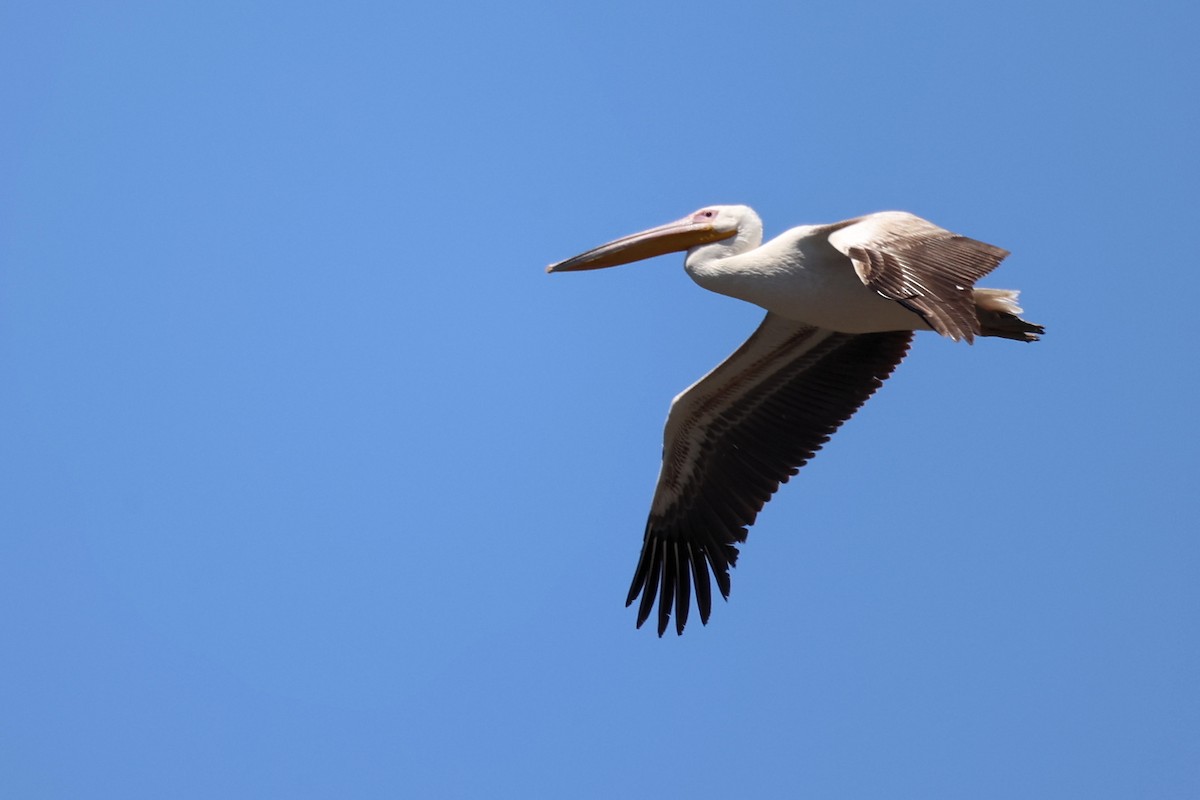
738	228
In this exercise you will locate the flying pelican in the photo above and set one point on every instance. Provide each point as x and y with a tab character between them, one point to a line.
842	303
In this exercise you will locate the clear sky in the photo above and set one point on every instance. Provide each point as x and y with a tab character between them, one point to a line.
314	484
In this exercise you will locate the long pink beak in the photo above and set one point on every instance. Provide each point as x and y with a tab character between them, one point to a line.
670	238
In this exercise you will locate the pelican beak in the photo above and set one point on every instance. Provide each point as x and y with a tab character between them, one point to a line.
670	238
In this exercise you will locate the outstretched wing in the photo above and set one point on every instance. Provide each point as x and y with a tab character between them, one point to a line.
733	437
926	268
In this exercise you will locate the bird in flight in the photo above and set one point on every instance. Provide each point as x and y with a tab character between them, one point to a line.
842	302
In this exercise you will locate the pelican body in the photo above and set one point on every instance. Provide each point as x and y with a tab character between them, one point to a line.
842	303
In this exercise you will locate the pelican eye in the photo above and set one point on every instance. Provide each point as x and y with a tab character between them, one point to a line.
707	213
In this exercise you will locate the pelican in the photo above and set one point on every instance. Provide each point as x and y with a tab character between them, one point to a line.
842	303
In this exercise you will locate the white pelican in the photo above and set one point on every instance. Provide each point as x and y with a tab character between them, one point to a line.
842	303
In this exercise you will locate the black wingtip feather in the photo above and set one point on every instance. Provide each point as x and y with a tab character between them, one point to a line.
650	582
667	590
703	589
683	585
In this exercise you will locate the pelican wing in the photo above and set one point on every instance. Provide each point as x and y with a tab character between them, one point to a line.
928	269
733	437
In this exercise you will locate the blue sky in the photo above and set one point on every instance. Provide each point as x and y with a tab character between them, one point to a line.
315	485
